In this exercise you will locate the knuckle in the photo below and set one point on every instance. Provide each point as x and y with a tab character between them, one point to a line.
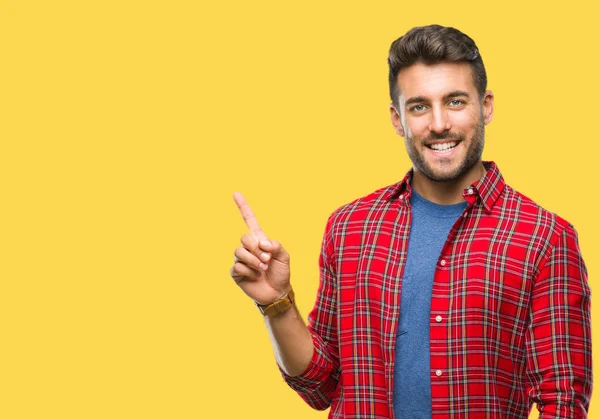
237	271
248	241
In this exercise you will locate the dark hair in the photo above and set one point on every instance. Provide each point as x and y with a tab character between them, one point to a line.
434	44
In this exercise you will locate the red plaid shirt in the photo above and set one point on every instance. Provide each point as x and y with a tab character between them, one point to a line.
510	310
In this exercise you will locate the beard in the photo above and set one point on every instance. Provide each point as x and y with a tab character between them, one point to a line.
473	156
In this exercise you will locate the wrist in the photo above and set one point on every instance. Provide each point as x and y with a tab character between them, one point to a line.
279	306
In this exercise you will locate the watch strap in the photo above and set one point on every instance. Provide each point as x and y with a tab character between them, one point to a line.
278	306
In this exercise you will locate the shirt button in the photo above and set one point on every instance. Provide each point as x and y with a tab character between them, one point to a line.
443	262
465	214
438	318
470	191
438	373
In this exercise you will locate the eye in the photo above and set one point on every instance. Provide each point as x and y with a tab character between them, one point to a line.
417	108
456	102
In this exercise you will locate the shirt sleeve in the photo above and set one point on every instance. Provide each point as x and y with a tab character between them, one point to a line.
558	339
318	383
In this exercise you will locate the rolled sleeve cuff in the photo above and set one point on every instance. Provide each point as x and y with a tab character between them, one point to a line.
319	379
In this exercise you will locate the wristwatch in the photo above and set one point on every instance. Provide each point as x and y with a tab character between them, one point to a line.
278	306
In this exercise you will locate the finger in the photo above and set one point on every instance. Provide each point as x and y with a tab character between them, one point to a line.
275	249
248	216
244	256
240	272
251	244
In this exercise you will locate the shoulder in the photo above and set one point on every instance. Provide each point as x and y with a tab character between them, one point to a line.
555	240
370	206
530	211
529	217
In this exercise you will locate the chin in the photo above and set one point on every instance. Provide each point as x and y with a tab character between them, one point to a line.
442	177
446	175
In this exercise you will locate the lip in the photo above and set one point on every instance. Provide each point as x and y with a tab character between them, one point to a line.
446	153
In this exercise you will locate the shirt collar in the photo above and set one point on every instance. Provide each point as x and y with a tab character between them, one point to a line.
488	188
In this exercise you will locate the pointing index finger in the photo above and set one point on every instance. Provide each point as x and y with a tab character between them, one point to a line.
248	215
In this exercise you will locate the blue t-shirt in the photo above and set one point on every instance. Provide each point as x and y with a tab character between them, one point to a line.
430	226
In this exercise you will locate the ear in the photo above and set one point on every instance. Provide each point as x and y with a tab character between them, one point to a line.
396	122
488	107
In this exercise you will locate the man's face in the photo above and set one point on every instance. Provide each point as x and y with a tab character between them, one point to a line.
441	118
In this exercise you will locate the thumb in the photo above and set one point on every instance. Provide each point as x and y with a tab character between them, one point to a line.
275	249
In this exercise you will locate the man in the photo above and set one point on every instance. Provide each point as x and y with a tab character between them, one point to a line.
446	295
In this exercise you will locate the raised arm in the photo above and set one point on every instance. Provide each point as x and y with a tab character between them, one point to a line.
262	270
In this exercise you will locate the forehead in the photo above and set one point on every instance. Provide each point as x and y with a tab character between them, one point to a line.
434	81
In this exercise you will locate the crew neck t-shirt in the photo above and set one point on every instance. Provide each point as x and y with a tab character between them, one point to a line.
430	226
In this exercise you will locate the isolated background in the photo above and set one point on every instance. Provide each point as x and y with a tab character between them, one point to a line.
126	126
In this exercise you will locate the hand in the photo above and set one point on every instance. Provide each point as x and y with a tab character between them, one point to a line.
262	266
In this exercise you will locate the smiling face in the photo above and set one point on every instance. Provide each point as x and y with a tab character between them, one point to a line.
441	117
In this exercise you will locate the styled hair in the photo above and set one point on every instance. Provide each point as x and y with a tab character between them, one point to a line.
430	45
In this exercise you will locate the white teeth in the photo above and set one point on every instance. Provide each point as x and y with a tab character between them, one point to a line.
443	146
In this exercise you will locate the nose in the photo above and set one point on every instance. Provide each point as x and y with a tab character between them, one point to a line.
439	120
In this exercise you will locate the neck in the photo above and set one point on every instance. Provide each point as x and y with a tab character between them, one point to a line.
449	192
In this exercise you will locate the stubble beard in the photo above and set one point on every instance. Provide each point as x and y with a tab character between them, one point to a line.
472	157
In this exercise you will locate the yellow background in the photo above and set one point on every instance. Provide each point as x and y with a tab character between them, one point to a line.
126	126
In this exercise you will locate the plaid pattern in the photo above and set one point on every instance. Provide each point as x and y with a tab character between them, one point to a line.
510	311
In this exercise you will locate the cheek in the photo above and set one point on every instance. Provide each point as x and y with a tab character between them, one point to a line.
465	121
416	127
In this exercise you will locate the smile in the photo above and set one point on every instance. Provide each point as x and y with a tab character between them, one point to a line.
443	146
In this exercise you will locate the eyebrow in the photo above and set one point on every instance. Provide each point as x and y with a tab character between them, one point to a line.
419	99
